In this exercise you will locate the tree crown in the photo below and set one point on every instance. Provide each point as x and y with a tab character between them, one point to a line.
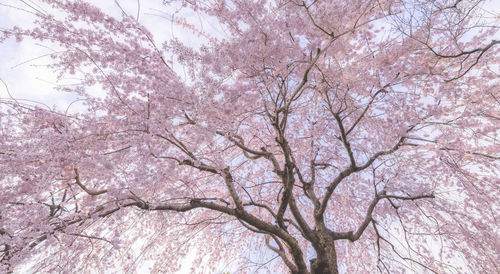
333	135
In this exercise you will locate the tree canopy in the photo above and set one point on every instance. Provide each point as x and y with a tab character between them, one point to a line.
298	136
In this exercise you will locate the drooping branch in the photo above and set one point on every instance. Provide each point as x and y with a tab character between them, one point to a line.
444	148
380	237
259	224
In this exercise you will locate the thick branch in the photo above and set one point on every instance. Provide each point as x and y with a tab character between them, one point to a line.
261	225
348	171
228	179
304	227
353	236
281	252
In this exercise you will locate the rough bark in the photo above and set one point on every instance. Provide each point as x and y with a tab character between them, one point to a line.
326	256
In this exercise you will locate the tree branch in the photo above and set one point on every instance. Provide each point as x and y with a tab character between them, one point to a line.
348	171
353	236
90	192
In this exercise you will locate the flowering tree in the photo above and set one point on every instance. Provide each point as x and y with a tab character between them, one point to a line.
305	136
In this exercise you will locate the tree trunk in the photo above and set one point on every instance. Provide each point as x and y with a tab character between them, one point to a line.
326	260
